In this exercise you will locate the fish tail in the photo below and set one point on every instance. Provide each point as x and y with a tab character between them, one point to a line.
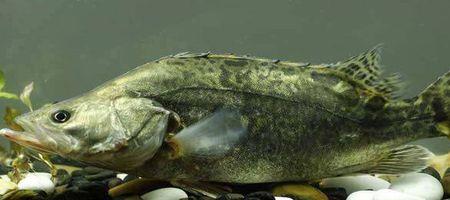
434	101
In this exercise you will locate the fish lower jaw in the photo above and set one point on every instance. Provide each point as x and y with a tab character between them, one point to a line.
23	139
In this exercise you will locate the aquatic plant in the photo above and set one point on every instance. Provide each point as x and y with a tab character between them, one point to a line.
19	158
6	95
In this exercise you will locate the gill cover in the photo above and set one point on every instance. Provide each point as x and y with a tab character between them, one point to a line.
139	126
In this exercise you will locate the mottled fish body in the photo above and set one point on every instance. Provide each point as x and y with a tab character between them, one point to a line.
224	118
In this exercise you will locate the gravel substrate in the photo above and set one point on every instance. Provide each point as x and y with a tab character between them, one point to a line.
91	183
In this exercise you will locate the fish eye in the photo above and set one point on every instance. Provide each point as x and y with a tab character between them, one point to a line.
61	116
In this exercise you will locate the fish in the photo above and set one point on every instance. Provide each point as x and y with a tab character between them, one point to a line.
241	119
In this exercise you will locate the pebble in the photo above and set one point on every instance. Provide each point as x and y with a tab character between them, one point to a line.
100	176
93	170
431	171
165	194
388	194
39	166
419	185
355	183
231	197
361	195
4	169
137	186
132	197
335	193
24	195
305	192
130	178
78	181
122	176
6	185
446	184
37	181
5	177
77	173
72	194
114	182
260	196
283	198
96	190
62	177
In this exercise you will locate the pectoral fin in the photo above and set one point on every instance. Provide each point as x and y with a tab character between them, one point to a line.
213	136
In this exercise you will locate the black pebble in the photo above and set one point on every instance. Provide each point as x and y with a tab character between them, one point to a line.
39	166
77	173
73	194
63	177
77	182
96	190
260	196
101	175
93	170
190	198
4	169
335	193
231	197
126	198
129	178
431	171
114	182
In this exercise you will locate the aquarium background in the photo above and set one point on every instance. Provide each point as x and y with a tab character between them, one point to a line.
68	47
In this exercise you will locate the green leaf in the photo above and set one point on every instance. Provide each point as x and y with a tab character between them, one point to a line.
8	95
2	80
25	95
10	115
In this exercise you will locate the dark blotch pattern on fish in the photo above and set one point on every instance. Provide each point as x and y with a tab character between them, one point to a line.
236	63
438	107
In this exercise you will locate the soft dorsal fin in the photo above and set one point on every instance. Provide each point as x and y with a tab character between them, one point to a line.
364	72
213	136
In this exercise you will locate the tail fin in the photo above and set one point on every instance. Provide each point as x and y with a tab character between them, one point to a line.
435	100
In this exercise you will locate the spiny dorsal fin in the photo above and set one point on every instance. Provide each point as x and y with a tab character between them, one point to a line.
364	72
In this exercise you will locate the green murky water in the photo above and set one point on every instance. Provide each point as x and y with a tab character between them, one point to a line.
68	47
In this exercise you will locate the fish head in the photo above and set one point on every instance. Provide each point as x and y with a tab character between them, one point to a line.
117	133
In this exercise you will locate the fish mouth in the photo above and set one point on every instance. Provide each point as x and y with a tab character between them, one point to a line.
26	139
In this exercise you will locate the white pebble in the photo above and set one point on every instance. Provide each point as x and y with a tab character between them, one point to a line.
5	177
6	186
165	194
283	198
388	194
419	185
122	176
37	181
355	183
361	195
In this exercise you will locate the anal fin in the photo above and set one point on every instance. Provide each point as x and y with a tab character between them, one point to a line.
401	160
